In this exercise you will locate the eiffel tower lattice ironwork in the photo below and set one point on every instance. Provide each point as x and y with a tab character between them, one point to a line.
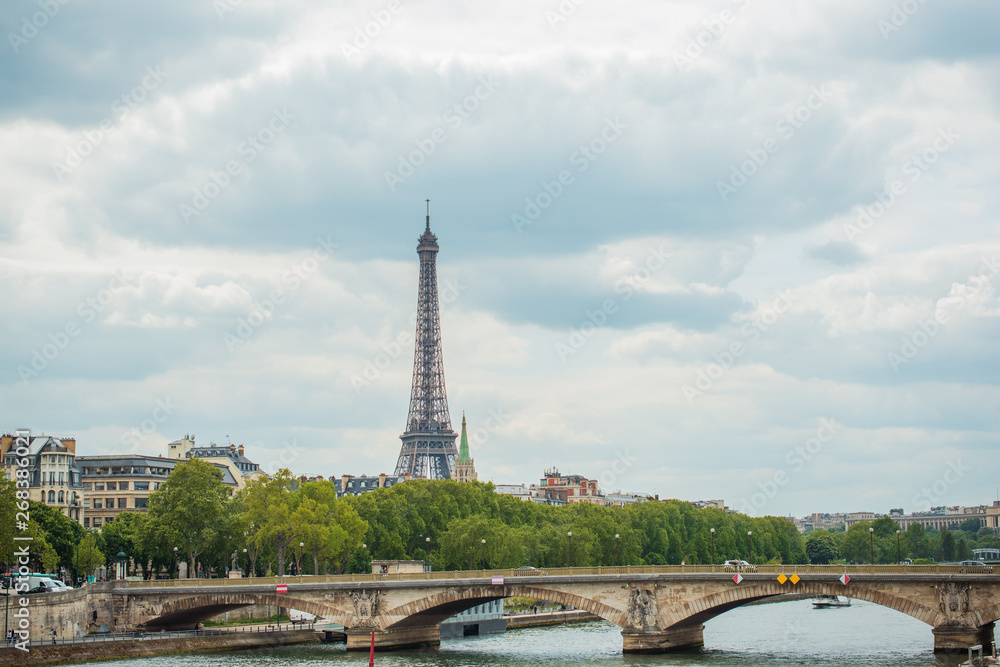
429	442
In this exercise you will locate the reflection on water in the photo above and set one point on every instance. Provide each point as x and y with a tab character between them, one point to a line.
790	633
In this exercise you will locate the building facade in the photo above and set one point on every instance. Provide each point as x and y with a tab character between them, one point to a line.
349	485
54	475
122	483
231	456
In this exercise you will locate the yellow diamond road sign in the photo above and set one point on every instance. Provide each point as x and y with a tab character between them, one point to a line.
782	578
795	579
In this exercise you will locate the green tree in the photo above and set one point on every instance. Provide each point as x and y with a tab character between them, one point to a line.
962	549
62	533
8	510
123	536
88	554
188	509
857	544
269	507
947	546
820	547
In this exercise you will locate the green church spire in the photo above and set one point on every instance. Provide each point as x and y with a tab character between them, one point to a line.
463	450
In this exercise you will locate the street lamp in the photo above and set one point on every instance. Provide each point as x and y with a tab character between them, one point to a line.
618	550
750	540
298	561
177	572
871	540
897	548
570	536
712	530
245	558
482	551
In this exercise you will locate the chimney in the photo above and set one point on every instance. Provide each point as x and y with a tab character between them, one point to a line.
381	480
232	447
69	443
344	479
240	450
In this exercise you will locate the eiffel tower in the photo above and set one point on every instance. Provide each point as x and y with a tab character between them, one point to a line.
429	442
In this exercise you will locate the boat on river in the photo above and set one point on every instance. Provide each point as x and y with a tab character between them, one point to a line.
827	601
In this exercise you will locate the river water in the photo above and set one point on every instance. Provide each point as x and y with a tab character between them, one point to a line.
788	633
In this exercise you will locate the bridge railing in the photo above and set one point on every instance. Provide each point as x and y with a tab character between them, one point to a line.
775	570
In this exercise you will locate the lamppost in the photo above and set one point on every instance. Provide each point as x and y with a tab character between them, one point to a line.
618	550
245	559
570	536
871	541
364	547
712	530
427	547
298	560
750	541
897	548
482	551
121	562
177	572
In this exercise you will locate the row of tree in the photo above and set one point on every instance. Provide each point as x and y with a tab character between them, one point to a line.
278	525
882	544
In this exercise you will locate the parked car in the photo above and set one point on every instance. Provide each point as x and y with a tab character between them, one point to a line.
739	566
973	563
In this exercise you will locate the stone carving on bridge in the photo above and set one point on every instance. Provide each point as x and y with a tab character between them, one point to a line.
954	599
641	612
366	607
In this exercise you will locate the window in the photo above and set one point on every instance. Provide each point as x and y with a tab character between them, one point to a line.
122	503
86	522
86	486
98	486
98	504
97	522
52	478
112	486
123	486
141	503
141	486
72	498
52	496
86	503
62	478
156	486
62	497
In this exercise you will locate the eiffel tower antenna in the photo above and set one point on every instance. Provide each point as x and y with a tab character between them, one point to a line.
428	441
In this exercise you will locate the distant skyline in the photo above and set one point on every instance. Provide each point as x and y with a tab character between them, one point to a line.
730	250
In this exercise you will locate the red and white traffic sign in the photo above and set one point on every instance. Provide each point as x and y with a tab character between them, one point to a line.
497	580
281	588
844	579
738	578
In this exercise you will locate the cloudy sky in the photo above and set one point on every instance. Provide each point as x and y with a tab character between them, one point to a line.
728	249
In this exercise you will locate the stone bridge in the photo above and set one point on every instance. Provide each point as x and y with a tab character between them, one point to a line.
659	609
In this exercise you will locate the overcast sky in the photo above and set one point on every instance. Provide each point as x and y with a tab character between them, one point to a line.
728	249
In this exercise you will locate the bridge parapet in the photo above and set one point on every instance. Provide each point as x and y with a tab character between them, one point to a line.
834	570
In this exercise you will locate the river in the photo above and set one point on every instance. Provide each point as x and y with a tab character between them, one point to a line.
788	633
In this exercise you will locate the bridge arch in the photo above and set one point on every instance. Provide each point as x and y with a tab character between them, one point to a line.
187	612
697	612
436	608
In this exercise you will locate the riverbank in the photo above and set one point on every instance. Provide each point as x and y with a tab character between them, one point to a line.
131	648
549	618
